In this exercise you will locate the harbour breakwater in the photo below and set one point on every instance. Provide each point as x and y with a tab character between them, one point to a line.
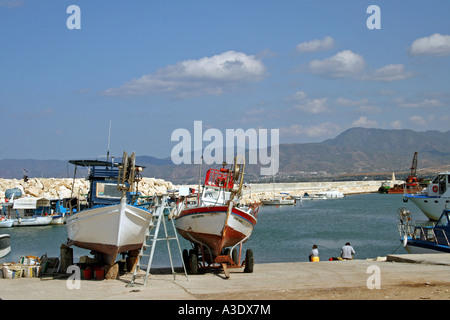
52	188
256	192
64	188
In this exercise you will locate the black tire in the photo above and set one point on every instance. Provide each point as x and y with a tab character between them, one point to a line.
249	261
186	259
193	263
234	256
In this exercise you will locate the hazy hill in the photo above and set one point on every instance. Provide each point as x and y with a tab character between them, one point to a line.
357	150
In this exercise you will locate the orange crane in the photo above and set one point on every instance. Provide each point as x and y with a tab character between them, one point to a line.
412	178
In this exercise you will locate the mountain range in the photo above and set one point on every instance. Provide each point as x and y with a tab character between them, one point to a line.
353	152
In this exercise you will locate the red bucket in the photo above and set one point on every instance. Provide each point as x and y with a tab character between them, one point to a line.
87	274
99	273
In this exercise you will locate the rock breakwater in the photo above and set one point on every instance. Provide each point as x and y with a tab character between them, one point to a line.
62	188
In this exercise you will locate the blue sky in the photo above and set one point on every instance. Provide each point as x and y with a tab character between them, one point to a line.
311	69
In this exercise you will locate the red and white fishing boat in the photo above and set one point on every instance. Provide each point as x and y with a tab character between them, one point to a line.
216	225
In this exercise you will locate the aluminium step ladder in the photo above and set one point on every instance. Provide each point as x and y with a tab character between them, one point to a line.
151	239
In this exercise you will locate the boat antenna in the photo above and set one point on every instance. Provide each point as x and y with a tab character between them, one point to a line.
199	178
109	141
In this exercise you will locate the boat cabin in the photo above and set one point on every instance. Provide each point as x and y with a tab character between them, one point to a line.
439	234
65	205
27	207
220	178
103	177
216	190
439	185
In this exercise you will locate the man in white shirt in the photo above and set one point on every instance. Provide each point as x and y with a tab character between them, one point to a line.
347	252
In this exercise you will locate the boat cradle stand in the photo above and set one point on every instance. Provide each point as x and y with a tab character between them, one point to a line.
231	258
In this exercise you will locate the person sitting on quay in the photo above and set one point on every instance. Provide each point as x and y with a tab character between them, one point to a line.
314	255
347	252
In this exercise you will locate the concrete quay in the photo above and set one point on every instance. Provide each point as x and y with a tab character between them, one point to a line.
401	277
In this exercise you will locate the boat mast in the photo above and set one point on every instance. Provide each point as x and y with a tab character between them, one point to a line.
199	179
109	141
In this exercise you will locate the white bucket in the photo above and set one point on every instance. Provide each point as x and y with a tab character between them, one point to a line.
31	271
29	260
12	272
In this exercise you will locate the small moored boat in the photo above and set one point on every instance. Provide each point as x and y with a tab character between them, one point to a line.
28	211
307	196
5	222
281	200
424	237
5	246
330	194
433	199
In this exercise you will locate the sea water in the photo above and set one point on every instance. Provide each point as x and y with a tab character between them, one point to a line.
282	233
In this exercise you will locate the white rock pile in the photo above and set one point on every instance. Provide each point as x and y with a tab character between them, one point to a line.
62	188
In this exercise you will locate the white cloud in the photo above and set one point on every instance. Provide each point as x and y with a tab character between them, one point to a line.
363	105
418	120
323	130
208	75
313	105
435	45
369	109
352	103
349	64
425	103
422	121
342	64
387	92
364	122
305	104
299	96
397	124
315	45
389	73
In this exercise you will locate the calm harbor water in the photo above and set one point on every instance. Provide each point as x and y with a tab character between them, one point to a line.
282	234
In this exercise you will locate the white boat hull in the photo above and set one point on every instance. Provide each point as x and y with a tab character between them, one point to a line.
58	220
8	223
314	198
109	229
432	207
4	252
330	195
32	221
413	248
5	247
276	202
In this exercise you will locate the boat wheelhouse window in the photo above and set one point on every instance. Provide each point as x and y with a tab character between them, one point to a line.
436	179
441	181
107	190
211	194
